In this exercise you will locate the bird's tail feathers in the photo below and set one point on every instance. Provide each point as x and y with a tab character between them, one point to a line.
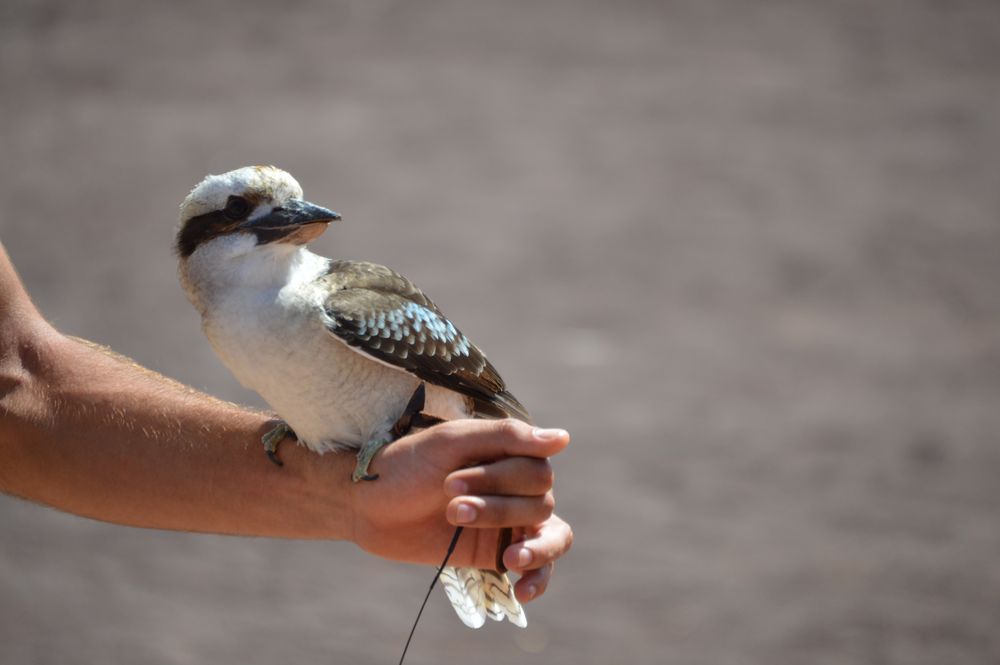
477	594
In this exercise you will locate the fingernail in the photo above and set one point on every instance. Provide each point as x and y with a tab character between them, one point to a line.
524	557
465	513
456	487
532	590
550	433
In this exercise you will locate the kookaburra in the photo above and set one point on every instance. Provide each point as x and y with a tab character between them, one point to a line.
339	349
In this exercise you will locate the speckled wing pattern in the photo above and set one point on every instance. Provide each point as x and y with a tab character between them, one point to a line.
384	315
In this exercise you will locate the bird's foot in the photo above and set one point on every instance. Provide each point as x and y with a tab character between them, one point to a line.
412	417
273	437
365	456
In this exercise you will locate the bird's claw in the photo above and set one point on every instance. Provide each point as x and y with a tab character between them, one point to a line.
365	456
273	437
411	417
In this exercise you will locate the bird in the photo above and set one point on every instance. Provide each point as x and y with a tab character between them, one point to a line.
349	354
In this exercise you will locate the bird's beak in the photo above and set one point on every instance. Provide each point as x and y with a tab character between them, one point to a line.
293	213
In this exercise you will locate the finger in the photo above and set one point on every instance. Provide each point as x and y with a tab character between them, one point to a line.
550	541
473	441
499	511
533	583
512	476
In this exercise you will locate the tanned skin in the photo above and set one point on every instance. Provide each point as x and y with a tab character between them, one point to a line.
90	432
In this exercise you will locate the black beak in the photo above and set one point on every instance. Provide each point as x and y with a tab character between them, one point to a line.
293	213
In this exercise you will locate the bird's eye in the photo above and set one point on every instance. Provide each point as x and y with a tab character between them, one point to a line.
236	208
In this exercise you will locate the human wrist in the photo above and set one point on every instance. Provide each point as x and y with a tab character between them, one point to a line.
321	489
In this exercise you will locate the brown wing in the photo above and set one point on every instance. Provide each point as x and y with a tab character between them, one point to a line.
384	315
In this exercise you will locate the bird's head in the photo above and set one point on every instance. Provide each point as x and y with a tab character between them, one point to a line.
248	208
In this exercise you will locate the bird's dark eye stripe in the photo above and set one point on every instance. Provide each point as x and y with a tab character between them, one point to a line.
204	227
237	207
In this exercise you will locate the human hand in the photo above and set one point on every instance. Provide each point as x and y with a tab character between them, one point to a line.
495	472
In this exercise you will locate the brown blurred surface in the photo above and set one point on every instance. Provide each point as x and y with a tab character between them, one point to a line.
748	253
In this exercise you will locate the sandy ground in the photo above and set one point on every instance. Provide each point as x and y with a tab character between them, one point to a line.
746	252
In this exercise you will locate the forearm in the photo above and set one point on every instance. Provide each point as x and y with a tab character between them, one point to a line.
94	434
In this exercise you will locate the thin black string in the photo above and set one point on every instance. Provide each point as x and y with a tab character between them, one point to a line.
451	548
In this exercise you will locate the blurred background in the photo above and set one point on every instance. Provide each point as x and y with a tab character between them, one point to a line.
748	253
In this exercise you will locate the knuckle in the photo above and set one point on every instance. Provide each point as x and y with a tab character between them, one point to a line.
448	431
549	503
543	575
547	475
485	480
508	427
502	512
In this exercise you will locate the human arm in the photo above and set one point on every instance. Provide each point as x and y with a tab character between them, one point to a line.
92	433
